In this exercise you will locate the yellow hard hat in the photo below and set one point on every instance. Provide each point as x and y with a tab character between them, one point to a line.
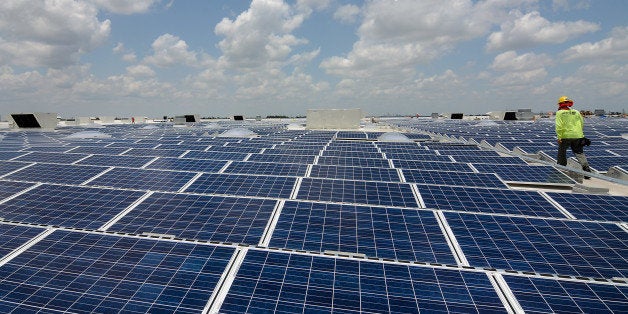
563	99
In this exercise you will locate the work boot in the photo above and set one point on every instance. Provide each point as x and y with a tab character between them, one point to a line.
587	169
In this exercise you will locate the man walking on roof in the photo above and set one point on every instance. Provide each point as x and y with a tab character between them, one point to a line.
569	130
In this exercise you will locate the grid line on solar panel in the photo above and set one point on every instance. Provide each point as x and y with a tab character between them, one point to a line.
72	271
354	173
293	283
593	207
143	179
489	160
55	173
403	234
187	164
354	162
115	161
216	155
67	206
9	155
538	295
351	154
525	173
357	192
293	159
154	152
58	158
432	165
211	218
266	168
563	247
418	157
6	167
468	179
485	200
247	185
14	236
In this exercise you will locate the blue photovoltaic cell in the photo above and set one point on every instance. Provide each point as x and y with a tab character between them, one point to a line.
524	173
354	162
8	188
432	165
184	164
267	168
355	173
352	154
564	247
142	179
6	155
216	155
482	200
471	153
68	206
292	283
593	206
115	161
469	179
293	159
357	192
13	236
540	295
403	234
489	160
53	173
212	218
603	163
99	150
154	152
58	158
81	272
248	185
49	149
419	157
10	166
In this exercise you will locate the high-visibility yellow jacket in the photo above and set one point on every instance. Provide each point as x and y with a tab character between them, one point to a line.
569	124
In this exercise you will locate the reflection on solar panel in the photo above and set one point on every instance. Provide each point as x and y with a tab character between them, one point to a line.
538	295
565	247
267	168
593	207
248	185
357	192
212	218
404	234
59	158
13	236
292	283
68	206
8	188
355	173
185	164
484	200
469	179
114	160
81	272
157	180
354	162
52	173
521	173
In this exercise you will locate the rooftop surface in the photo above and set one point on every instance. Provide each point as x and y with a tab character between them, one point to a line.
457	216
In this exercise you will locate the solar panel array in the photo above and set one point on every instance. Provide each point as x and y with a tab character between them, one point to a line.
167	219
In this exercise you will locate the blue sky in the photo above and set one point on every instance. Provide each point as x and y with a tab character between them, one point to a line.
268	57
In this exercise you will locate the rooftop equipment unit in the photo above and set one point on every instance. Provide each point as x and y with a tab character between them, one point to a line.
333	118
457	116
188	118
510	115
39	120
238	118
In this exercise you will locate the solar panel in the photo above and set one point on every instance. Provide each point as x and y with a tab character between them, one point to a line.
10	166
68	206
404	234
83	272
351	154
490	160
293	159
141	179
353	162
357	192
484	200
6	155
565	247
14	236
267	168
539	295
216	155
354	173
419	157
603	163
59	158
99	150
469	179
8	188
593	207
248	185
115	161
432	165
292	283
154	152
186	164
53	173
521	173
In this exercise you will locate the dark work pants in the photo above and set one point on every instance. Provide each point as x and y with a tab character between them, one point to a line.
576	147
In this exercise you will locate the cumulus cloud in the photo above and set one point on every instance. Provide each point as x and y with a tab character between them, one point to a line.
140	70
519	70
260	35
170	50
615	46
125	6
347	13
49	33
531	29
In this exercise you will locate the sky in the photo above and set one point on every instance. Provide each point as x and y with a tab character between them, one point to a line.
218	58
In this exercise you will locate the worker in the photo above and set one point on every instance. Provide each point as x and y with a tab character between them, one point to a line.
570	133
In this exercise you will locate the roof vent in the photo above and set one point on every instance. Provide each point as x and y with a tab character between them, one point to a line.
87	134
394	137
238	132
